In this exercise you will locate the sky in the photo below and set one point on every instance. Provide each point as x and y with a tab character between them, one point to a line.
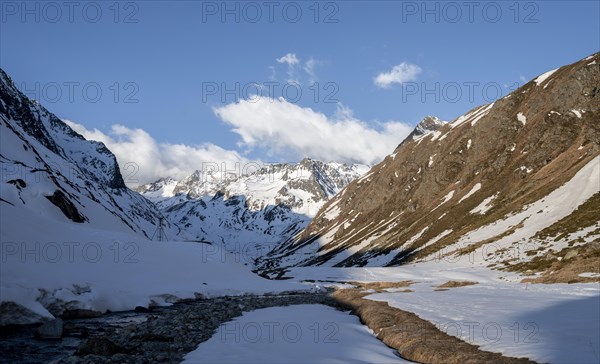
172	85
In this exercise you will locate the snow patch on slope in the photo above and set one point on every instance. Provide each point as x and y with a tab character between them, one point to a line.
540	214
475	188
543	77
484	206
522	118
445	199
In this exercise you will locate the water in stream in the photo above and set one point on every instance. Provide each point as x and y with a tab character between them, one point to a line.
19	345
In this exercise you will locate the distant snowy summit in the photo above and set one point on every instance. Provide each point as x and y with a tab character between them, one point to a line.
269	204
265	208
319	179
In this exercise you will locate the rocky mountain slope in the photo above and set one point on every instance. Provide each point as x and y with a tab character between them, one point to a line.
512	185
253	212
53	177
427	125
74	239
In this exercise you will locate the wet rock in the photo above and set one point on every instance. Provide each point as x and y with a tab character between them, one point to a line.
80	313
161	357
99	346
141	309
156	337
168	333
571	254
52	330
14	314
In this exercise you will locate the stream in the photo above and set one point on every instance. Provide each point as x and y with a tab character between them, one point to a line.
163	334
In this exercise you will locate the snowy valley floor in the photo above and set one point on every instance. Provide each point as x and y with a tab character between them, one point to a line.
556	323
547	323
295	334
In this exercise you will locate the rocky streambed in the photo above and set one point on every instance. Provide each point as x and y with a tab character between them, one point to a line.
167	334
162	334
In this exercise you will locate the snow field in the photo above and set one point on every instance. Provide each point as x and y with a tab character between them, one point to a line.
293	334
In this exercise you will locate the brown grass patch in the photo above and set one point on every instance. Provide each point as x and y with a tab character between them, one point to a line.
569	271
472	247
380	286
587	214
414	338
565	270
454	284
587	258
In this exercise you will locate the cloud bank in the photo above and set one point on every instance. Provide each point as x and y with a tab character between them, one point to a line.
142	159
284	128
275	128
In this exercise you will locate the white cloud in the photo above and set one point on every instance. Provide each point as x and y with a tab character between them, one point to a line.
155	160
298	71
309	68
291	60
281	127
404	72
343	112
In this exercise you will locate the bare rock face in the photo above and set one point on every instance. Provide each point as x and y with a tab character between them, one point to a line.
99	346
100	165
45	159
439	192
60	200
427	125
12	313
52	330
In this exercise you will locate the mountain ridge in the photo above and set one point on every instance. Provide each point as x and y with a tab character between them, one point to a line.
418	200
274	202
46	165
270	204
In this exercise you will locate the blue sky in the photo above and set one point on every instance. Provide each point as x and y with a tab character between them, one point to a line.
163	58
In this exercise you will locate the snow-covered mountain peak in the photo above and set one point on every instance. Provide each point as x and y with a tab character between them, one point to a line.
272	202
429	124
158	190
